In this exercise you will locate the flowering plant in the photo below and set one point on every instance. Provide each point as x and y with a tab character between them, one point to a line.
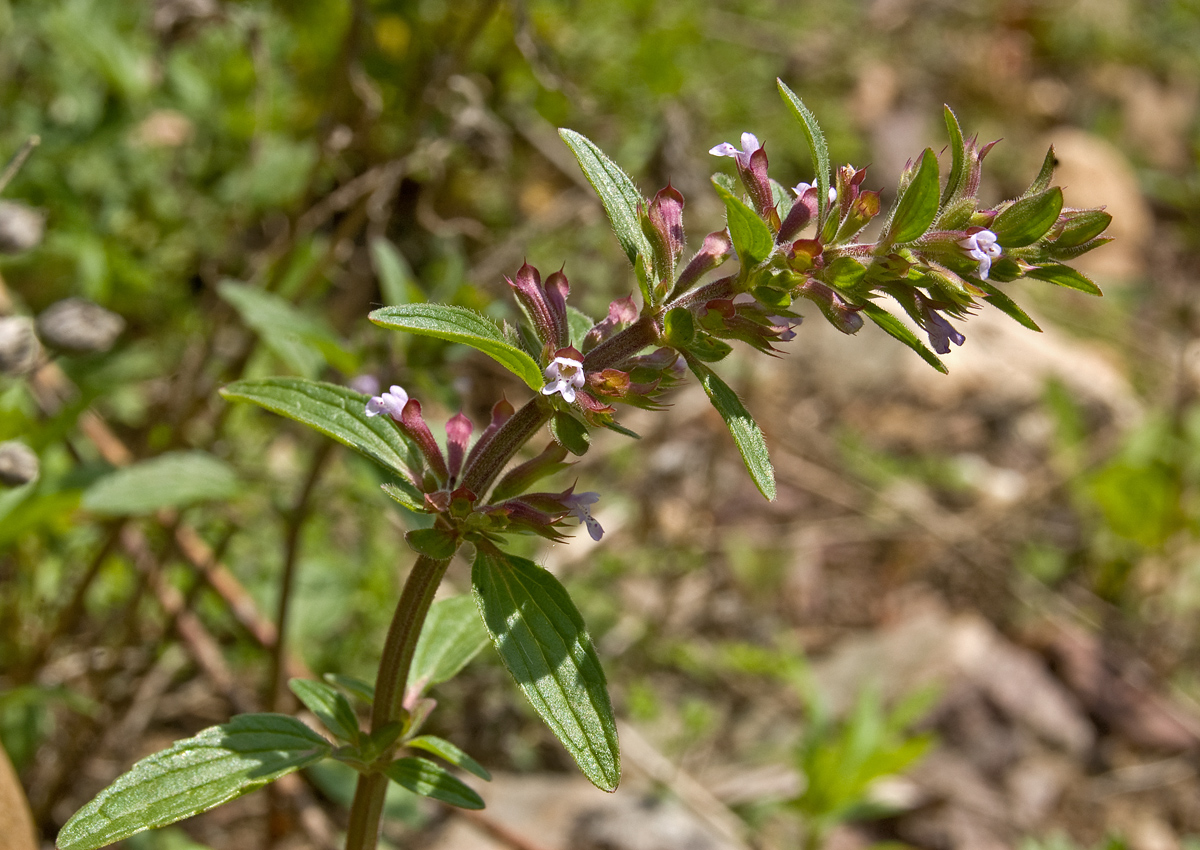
936	254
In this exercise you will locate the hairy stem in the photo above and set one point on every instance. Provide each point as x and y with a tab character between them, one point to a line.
367	808
513	434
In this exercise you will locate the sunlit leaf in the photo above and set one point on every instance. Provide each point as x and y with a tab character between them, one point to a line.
747	436
901	331
543	642
918	206
337	412
751	237
816	146
444	749
330	707
193	776
458	324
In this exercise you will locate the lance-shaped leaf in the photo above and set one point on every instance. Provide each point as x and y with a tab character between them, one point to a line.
901	331
337	412
193	776
816	145
421	776
747	436
1000	300
958	155
458	324
172	480
617	192
570	433
396	283
444	749
330	707
751	237
1061	275
542	641
1029	219
918	206
451	637
357	687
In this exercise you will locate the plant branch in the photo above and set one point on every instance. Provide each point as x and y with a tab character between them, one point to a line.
367	808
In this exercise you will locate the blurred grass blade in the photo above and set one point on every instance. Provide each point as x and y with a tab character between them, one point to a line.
452	635
193	776
816	146
172	480
396	282
421	776
337	412
458	324
747	436
543	642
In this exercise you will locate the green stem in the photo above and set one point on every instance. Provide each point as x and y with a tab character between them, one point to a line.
522	425
367	809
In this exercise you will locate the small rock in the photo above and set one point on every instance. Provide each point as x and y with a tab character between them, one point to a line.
75	324
21	227
18	464
19	347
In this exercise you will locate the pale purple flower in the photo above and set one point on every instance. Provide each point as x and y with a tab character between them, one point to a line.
749	146
391	402
982	247
565	375
578	503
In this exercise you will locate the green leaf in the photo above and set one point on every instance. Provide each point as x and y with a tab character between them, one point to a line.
404	498
458	324
336	412
436	543
844	273
1042	182
708	348
747	436
958	155
193	776
1006	305
570	433
452	635
421	776
918	206
444	749
901	331
579	324
679	327
750	235
357	687
396	282
617	192
302	341
1028	219
1061	275
816	146
172	480
330	707
544	644
1082	227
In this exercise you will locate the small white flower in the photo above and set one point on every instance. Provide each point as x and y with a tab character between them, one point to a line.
801	188
578	505
391	402
982	247
565	375
749	146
